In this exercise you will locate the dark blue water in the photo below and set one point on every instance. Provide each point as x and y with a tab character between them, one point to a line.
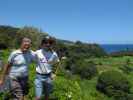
116	47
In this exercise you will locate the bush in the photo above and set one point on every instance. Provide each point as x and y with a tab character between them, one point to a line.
129	96
126	69
113	83
66	89
85	70
88	70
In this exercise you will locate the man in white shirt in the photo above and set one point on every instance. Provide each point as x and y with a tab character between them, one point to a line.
46	58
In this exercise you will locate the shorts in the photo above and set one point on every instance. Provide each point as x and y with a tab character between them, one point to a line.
43	85
19	87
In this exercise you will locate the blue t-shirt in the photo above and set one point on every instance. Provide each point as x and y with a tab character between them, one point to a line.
20	62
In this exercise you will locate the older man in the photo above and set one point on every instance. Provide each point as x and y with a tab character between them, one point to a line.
17	68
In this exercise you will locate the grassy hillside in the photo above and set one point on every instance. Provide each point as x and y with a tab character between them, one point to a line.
72	87
78	75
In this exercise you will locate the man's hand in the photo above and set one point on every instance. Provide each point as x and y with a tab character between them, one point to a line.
5	72
53	76
1	82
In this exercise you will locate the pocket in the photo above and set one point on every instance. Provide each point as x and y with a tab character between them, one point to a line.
38	83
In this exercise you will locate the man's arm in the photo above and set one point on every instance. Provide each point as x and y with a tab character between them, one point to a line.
5	72
54	59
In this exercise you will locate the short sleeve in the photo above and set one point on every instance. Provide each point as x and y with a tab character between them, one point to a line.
11	57
33	55
54	58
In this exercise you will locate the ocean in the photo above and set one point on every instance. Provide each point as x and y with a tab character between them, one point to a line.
109	48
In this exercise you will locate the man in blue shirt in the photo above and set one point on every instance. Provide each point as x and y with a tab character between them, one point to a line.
17	68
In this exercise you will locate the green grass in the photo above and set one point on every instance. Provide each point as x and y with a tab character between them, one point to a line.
86	88
111	63
89	90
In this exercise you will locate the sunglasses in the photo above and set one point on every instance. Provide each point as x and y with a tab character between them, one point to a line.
48	42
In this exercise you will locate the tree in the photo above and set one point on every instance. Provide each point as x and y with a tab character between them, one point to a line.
7	35
31	32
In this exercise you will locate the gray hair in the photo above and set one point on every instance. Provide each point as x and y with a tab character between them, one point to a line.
25	39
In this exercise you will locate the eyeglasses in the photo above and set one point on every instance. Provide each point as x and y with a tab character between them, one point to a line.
48	42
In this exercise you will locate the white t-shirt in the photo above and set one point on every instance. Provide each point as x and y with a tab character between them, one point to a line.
20	62
45	60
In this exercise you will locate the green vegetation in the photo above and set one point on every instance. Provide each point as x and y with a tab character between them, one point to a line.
113	83
87	67
86	70
10	37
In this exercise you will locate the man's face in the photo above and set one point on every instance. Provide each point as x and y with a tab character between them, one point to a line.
25	45
47	45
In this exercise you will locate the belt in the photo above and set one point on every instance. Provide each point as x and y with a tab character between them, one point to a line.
19	78
43	74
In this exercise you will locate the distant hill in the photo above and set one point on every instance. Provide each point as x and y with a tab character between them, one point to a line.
67	42
10	37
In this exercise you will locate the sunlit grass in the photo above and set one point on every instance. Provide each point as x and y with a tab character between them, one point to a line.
88	87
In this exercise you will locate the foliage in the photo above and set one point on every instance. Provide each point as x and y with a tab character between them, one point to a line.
126	69
11	37
74	80
84	88
31	32
7	36
113	83
89	91
66	89
15	35
86	50
85	69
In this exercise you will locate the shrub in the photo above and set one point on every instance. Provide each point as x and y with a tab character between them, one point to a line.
113	83
86	70
65	89
126	69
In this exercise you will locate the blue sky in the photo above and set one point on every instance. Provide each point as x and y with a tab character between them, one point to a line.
92	21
